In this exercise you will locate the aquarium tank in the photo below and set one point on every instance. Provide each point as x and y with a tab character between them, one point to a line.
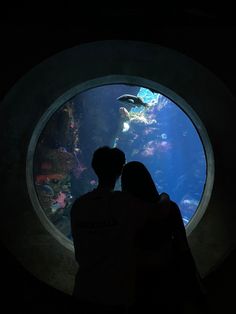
148	126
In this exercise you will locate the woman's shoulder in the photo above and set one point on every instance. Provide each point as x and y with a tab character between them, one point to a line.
174	208
167	208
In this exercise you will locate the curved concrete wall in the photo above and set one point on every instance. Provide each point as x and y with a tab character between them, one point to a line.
22	231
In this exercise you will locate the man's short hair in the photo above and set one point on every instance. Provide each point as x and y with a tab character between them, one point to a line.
108	162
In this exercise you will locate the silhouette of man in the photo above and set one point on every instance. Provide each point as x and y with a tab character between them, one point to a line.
103	224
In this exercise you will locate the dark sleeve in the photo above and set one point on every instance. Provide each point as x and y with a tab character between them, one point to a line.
181	247
179	233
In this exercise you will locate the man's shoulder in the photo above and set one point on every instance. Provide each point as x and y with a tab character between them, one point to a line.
87	196
81	200
119	199
125	198
120	194
95	196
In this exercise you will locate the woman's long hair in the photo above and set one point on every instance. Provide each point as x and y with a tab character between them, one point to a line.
137	180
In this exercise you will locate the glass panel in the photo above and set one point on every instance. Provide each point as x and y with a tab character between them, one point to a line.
145	124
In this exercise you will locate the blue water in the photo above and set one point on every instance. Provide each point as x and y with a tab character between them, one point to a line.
171	149
160	135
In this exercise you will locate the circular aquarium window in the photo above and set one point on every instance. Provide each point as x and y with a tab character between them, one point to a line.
149	122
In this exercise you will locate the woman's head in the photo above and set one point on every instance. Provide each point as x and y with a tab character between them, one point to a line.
137	180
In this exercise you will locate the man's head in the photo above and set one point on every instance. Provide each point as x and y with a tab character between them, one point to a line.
108	163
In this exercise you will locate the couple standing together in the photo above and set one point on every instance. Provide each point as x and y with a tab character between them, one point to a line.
130	245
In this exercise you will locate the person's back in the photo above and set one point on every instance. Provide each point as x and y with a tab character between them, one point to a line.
157	269
104	247
162	245
103	224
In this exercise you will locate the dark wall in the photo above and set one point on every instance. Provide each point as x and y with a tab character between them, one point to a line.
201	35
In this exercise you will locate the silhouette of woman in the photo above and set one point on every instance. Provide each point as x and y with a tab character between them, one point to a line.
163	253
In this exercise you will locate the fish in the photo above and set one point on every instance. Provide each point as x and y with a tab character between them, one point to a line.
131	100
